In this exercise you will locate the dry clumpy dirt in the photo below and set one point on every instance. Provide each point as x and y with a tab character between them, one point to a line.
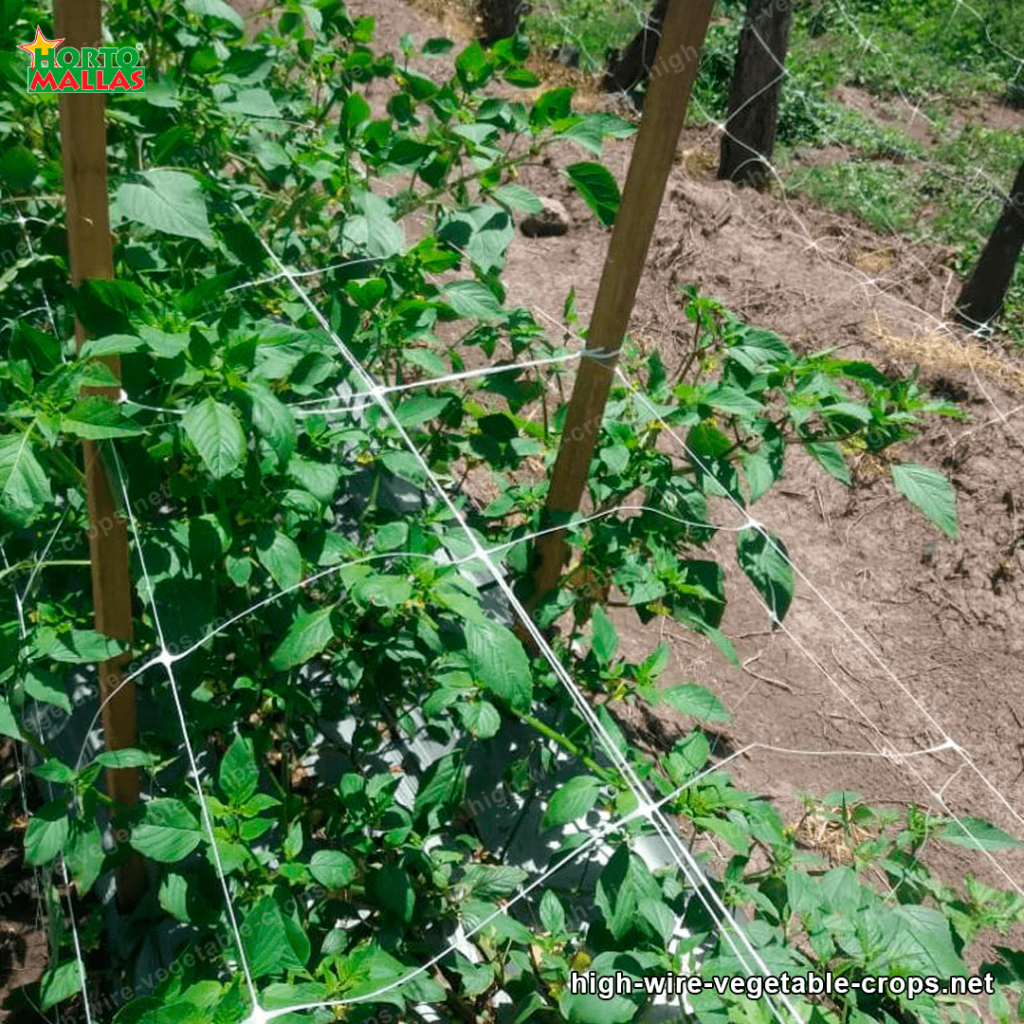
899	672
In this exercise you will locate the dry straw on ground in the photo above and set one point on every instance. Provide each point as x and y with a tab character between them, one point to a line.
941	349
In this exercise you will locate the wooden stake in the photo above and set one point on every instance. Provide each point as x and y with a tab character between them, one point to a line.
84	146
672	77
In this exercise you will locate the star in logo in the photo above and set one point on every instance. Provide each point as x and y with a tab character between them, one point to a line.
40	46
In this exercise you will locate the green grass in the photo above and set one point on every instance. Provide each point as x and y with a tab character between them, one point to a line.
880	193
921	48
593	26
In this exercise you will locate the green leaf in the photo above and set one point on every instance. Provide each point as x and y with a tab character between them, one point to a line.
168	831
492	881
591	130
847	410
735	835
522	77
426	360
47	833
499	663
281	997
54	771
251	103
59	983
604	640
18	168
333	869
382	591
392	887
271	418
518	198
979	834
473	300
8	723
483	233
623	884
552	913
374	231
24	486
571	801
216	9
615	457
597	186
280	556
239	774
84	855
443	785
481	718
173	896
830	458
309	635
43	350
698	701
731	400
164	344
437	47
391	536
660	918
611	727
760	349
929	491
126	757
554	105
169	201
97	418
586	134
763	467
215	431
473	67
922	943
767	565
268	944
319	478
294	840
420	409
75	647
404	465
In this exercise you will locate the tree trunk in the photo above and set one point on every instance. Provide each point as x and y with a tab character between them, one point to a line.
981	300
499	19
749	137
629	69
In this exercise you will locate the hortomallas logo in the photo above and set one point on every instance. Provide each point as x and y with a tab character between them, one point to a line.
57	68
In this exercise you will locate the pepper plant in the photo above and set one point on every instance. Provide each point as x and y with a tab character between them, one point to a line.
293	568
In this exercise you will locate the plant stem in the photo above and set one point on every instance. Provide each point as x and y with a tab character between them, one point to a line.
694	349
564	742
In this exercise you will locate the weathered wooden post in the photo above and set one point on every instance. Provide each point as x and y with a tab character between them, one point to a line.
686	25
84	147
749	138
982	298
